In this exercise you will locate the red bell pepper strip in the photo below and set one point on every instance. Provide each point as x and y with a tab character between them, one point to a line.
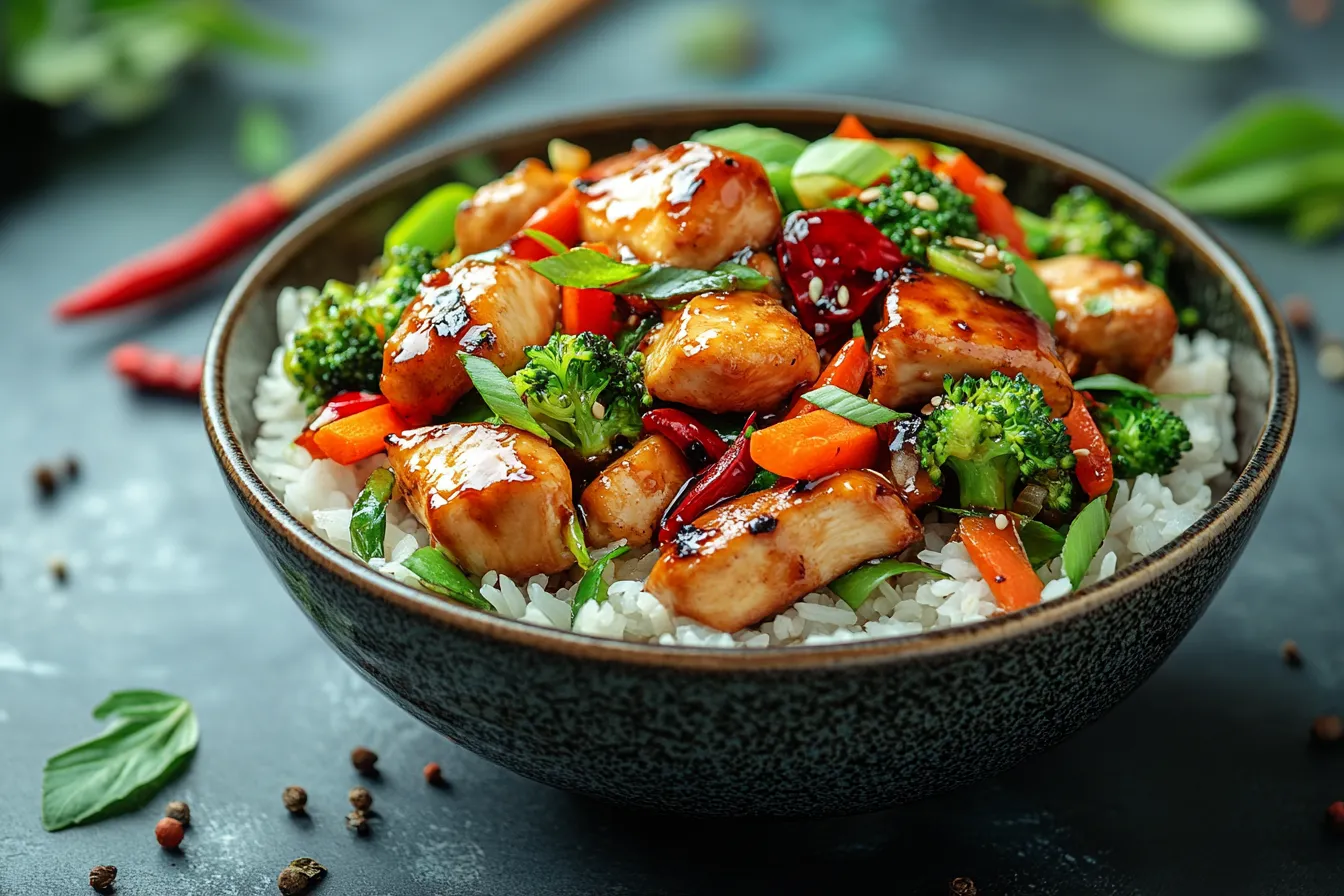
1094	470
697	442
559	218
343	405
993	211
727	478
589	310
999	555
851	128
847	369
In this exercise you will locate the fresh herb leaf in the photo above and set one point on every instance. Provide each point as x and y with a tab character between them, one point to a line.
851	407
1112	382
151	739
430	223
1098	306
1193	29
1317	218
833	164
442	576
547	240
1273	185
593	586
628	341
368	520
577	544
497	391
1263	129
1042	542
588	269
1084	539
854	586
263	143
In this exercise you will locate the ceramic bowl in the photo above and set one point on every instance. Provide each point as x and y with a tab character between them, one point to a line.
783	731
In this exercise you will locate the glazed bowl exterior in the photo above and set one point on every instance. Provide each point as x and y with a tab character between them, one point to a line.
783	731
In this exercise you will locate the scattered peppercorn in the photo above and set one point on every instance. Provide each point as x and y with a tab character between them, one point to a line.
364	760
292	882
102	877
59	571
1299	312
1327	729
360	798
1334	814
45	480
295	799
1330	361
358	822
169	833
1292	656
71	468
962	886
178	810
434	775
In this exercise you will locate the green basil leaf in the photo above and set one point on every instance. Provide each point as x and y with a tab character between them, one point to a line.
1193	29
151	739
586	269
832	164
667	282
1317	218
593	586
230	26
1098	306
628	341
442	576
368	520
854	586
577	544
1272	185
497	391
1263	129
1029	290
430	223
547	240
264	144
1042	543
851	407
765	145
1112	382
1084	539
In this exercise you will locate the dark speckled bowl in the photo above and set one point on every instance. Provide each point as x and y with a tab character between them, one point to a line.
786	731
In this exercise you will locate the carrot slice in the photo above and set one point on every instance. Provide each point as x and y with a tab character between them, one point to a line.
853	129
1001	559
360	435
814	445
847	369
1094	469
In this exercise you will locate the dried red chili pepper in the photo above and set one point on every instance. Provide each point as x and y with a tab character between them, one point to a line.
697	442
343	405
158	371
727	478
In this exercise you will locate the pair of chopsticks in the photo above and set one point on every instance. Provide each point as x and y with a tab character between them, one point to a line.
262	207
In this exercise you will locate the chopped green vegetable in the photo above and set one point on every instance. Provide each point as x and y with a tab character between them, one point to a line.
774	149
264	144
442	576
850	406
1084	539
429	223
993	281
577	544
763	480
1083	223
1143	436
368	520
1098	306
149	742
1112	382
832	165
916	225
593	586
629	339
1029	290
470	408
1042	542
588	269
854	586
497	391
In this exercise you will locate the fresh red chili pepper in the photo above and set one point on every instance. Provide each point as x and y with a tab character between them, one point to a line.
852	260
343	405
157	371
558	218
697	442
727	478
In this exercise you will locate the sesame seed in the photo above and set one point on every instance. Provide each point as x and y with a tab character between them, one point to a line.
926	410
936	400
814	287
1081	452
991	250
1010	268
920	232
993	182
842	296
1001	522
599	410
910	197
962	242
927	201
872	194
1133	269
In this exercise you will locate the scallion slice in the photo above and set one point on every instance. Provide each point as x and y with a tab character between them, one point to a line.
854	586
1084	539
497	391
852	407
368	520
442	576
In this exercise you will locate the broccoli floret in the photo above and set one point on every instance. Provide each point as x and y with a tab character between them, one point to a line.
908	224
340	347
1083	223
1143	436
993	432
583	391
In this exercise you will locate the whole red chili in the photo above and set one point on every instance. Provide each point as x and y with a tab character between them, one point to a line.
727	478
697	442
156	371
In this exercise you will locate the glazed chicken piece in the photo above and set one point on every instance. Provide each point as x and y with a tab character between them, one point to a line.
933	324
621	162
500	208
493	309
737	352
753	556
691	205
628	498
1116	320
493	497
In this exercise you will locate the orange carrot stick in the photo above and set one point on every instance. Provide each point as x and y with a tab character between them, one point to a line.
847	369
1001	559
358	436
814	445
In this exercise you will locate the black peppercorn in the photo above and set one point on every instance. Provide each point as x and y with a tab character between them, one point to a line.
292	882
360	798
295	799
102	877
179	811
358	822
962	886
45	480
364	760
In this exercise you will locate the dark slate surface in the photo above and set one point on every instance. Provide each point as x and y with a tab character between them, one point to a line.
1202	782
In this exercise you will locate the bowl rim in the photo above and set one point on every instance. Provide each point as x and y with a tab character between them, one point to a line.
1258	474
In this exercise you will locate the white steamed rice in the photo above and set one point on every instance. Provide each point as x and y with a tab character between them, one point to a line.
1149	512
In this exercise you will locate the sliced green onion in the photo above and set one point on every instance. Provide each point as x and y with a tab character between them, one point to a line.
368	520
1098	306
1029	290
762	144
429	223
442	576
851	407
1113	382
854	586
547	240
497	391
992	281
1084	539
833	164
576	543
856	331
593	586
1042	543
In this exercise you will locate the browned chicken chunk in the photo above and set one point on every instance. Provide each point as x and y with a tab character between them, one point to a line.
692	205
1116	320
752	557
493	497
628	498
493	309
500	208
933	324
738	352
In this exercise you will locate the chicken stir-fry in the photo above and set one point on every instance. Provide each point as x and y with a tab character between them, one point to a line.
645	353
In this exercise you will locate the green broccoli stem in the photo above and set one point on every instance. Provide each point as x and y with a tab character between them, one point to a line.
987	483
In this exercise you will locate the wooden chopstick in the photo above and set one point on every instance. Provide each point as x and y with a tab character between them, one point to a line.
262	207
